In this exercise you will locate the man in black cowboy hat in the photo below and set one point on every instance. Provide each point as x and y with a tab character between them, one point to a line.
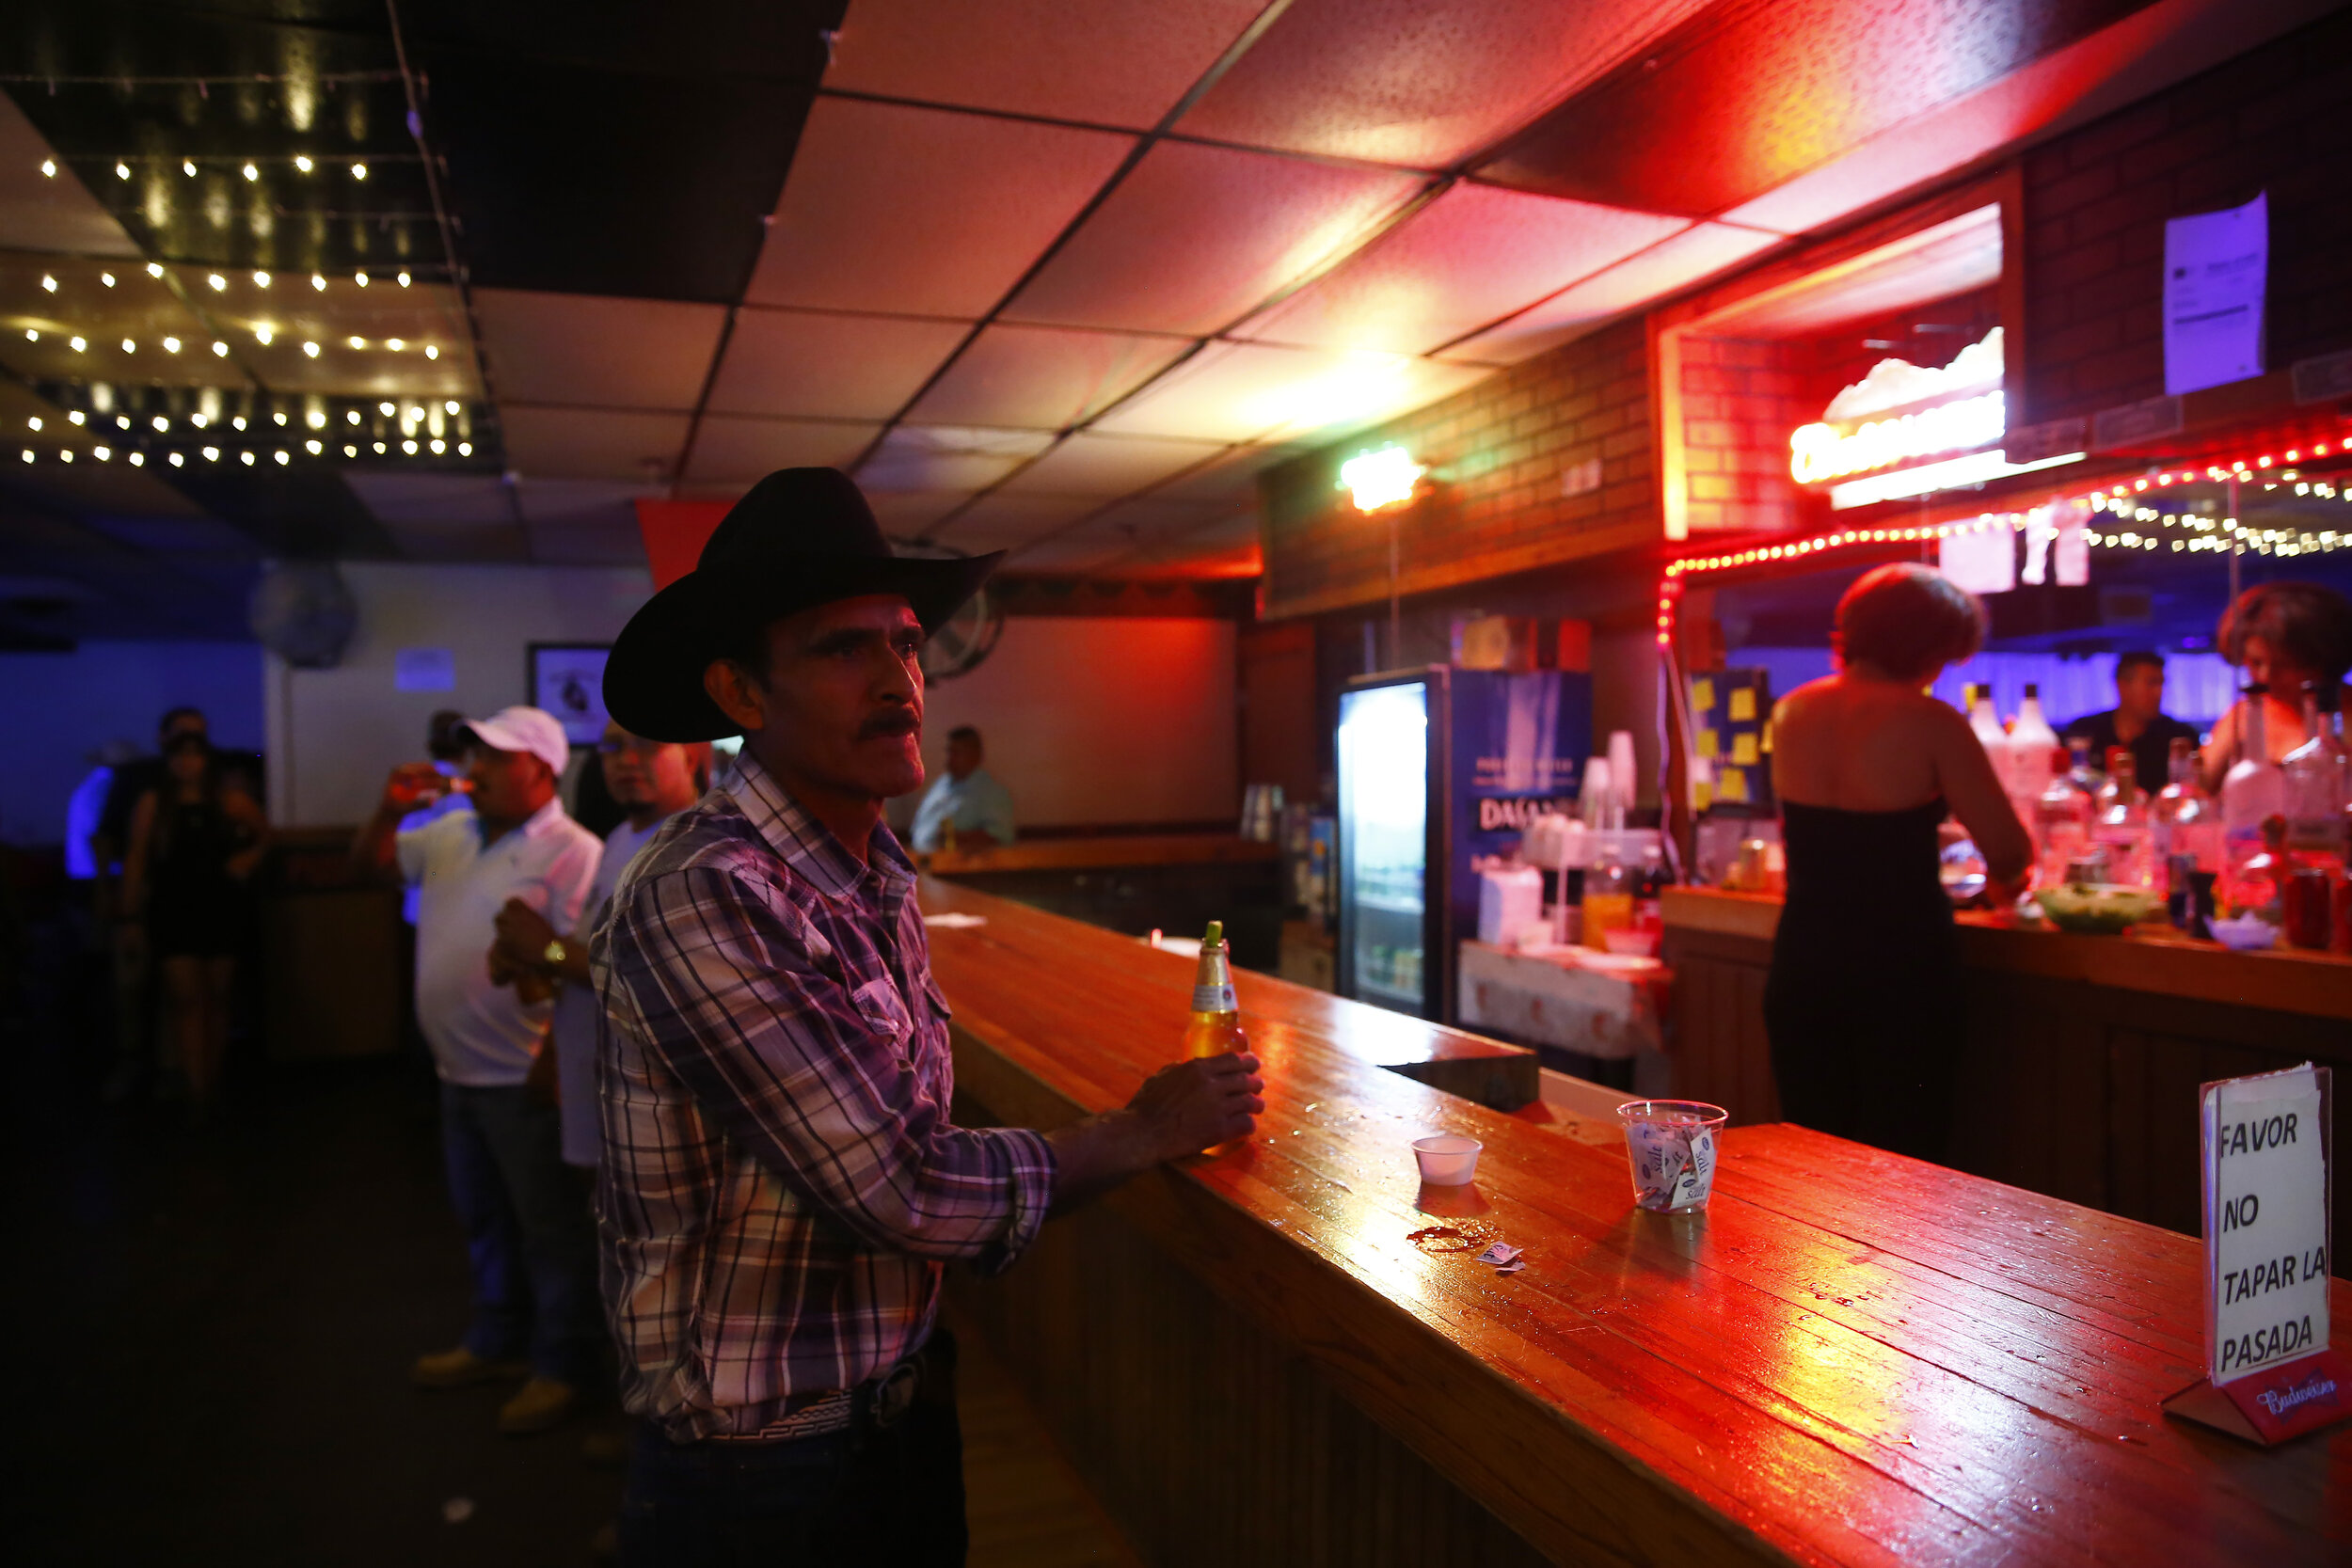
782	1185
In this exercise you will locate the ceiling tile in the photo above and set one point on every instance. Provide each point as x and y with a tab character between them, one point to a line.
397	498
571	500
588	443
1748	97
1688	257
1472	255
883	195
1197	236
1257	391
1112	65
1069	553
1043	377
812	365
1234	478
910	514
1098	465
56	211
114	490
474	543
587	542
604	353
733	450
1422	82
180	537
946	457
1002	520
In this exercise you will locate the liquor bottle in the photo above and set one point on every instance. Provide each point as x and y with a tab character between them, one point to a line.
2082	770
1216	1027
1987	725
2031	746
2182	819
1610	885
2253	790
2119	822
2315	777
2061	824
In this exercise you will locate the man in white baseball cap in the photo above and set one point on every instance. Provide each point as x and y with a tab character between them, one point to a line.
536	1314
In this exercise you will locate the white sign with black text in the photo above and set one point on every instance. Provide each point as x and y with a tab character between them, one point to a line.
2266	1184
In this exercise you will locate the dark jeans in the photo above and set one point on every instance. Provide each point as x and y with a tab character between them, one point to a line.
526	1230
892	1496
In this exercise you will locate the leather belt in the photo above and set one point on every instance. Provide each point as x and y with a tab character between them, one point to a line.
878	1404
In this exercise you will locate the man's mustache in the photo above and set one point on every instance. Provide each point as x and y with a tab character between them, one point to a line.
896	721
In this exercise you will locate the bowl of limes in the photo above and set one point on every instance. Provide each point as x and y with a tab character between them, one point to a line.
2095	909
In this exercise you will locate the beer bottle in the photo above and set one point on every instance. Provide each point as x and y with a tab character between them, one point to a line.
1215	1025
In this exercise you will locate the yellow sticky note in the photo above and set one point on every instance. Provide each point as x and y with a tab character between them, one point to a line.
1742	705
1702	695
1709	746
1730	784
1744	749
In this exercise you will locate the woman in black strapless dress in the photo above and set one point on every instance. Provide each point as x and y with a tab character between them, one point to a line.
1864	1002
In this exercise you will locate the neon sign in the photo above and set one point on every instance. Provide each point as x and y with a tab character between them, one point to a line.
1957	416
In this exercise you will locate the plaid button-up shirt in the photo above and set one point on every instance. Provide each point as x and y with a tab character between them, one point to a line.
781	1184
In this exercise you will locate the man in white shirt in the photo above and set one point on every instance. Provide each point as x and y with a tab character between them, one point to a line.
532	1248
964	795
653	781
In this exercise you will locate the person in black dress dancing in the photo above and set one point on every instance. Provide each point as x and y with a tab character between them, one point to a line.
196	840
1863	1003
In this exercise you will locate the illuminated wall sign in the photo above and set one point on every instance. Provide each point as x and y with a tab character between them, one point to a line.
1378	479
1923	412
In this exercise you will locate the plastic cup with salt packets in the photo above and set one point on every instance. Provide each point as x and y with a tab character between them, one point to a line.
1671	1146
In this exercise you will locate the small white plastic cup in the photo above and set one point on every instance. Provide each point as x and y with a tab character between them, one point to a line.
1446	1160
1671	1146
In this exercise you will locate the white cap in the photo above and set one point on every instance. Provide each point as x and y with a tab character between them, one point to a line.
525	729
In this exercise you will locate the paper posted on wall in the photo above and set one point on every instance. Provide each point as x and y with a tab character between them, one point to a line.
2215	266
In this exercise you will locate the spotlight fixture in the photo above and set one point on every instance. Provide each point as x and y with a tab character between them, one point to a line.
219	283
358	171
317	282
49	167
303	163
49	283
261	280
187	166
310	349
108	279
251	173
171	345
154	269
432	351
220	348
361	279
122	171
404	277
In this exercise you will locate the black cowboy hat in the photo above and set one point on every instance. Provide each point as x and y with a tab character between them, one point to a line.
798	538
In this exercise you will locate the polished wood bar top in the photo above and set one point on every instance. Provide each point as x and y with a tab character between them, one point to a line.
1850	1358
2154	959
1105	853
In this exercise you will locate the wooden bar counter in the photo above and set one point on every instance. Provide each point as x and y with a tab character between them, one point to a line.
2083	1057
1264	1356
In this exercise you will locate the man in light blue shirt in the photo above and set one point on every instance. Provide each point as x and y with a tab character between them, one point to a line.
964	795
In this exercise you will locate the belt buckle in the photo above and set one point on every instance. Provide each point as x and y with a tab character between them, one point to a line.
893	1393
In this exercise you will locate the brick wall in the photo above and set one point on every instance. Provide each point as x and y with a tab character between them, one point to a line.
2277	118
1741	398
1499	454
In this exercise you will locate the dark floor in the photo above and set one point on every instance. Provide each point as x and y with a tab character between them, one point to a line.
211	1331
208	1332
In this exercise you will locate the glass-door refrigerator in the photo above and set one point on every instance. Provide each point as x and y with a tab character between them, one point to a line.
1441	770
1392	774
